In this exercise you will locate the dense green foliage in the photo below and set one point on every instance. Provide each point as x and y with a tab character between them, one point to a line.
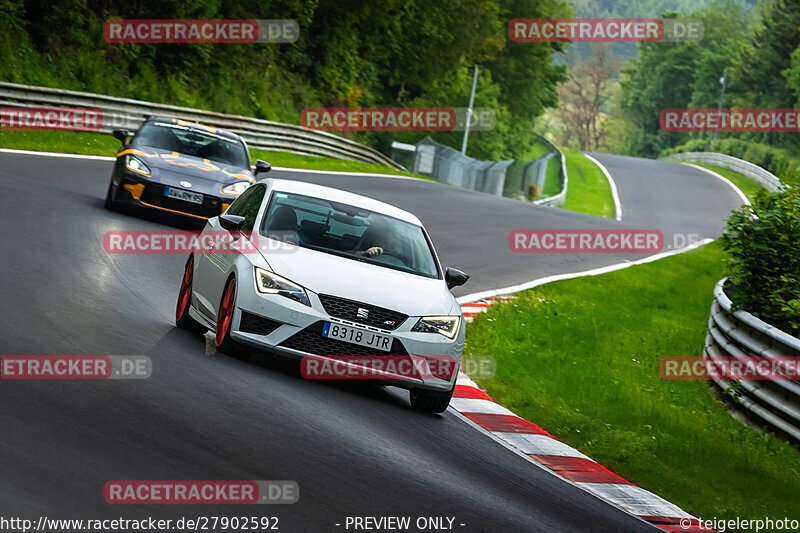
680	75
762	55
633	8
350	53
764	243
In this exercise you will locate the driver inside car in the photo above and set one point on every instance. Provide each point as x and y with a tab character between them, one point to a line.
379	239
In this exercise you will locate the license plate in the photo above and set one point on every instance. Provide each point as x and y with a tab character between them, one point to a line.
362	337
186	196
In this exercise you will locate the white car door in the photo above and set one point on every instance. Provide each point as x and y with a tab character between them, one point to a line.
213	266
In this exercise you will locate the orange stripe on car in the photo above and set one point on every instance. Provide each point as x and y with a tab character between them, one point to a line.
238	176
210	168
172	210
135	190
134	151
196	124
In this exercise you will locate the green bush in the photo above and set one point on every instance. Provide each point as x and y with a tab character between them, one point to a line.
757	154
694	145
763	241
730	147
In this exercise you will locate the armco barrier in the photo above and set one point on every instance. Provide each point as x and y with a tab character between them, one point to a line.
754	172
448	165
741	335
557	199
124	113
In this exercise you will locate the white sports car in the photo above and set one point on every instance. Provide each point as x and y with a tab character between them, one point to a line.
334	274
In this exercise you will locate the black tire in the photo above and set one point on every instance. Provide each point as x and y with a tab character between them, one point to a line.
227	305
111	205
430	401
182	317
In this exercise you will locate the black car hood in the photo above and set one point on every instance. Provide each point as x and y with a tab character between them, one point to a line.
163	163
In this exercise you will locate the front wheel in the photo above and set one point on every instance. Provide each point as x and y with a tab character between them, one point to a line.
111	205
182	317
430	401
225	344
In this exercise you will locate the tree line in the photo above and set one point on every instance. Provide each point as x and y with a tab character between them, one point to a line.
350	53
759	53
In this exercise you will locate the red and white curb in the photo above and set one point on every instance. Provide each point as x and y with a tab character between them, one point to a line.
564	461
473	309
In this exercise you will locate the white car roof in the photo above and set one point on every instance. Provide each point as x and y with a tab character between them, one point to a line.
337	195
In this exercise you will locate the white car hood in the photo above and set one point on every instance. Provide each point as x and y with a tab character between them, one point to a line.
325	273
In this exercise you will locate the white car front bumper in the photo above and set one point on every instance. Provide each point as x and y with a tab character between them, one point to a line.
273	322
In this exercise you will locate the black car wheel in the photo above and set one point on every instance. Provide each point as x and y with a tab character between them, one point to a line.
110	203
430	401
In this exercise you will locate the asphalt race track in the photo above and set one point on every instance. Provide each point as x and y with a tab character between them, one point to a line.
669	196
470	230
355	450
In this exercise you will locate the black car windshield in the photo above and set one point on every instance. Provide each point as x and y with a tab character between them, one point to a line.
192	141
349	231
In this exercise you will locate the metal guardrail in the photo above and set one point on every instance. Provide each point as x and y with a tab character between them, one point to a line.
754	172
448	165
740	335
557	199
126	113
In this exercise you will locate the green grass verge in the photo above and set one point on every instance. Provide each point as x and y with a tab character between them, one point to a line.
589	191
581	358
64	142
537	151
515	174
749	187
69	142
552	179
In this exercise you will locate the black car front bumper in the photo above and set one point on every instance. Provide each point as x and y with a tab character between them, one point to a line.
129	188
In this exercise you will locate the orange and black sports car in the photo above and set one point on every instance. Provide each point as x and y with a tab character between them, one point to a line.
180	167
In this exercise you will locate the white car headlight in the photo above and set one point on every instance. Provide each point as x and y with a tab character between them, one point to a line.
270	283
235	189
135	164
443	325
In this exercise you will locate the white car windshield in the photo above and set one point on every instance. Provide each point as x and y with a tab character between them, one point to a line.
349	231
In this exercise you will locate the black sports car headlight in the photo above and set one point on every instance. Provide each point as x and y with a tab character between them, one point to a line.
235	189
270	283
134	164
